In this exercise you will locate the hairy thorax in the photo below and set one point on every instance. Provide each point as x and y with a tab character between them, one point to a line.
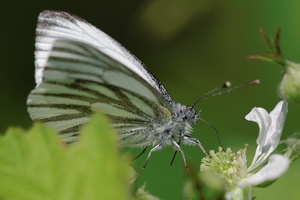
172	129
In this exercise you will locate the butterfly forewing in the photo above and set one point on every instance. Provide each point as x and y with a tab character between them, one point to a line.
61	25
79	79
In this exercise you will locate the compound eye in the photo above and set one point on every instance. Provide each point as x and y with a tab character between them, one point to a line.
189	113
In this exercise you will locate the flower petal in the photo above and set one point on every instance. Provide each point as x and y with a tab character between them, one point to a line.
277	165
270	129
262	118
278	116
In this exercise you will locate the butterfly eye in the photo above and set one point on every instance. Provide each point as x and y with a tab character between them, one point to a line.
189	113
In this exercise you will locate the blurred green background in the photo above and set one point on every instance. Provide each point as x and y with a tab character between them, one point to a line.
191	47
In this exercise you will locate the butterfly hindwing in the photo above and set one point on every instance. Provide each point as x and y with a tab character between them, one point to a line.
78	79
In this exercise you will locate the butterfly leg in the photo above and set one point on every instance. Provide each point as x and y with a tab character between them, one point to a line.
196	142
178	148
175	153
156	148
143	151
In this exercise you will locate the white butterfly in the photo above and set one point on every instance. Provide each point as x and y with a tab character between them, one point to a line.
80	69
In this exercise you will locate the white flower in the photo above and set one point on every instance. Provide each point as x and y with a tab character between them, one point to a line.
270	129
240	180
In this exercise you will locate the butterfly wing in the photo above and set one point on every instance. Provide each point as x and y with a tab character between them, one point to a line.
79	79
61	25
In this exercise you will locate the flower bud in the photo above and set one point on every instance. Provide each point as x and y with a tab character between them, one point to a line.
289	88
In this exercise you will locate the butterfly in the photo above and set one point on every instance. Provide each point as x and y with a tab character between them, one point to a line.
79	69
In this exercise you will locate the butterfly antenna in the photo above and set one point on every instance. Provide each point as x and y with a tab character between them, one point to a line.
218	90
254	82
211	93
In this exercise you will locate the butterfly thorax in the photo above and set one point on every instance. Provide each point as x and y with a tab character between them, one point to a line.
174	128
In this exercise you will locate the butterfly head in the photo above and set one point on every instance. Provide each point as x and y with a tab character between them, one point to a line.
189	114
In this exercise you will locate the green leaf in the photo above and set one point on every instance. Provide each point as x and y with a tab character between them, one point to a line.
100	172
27	163
36	165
